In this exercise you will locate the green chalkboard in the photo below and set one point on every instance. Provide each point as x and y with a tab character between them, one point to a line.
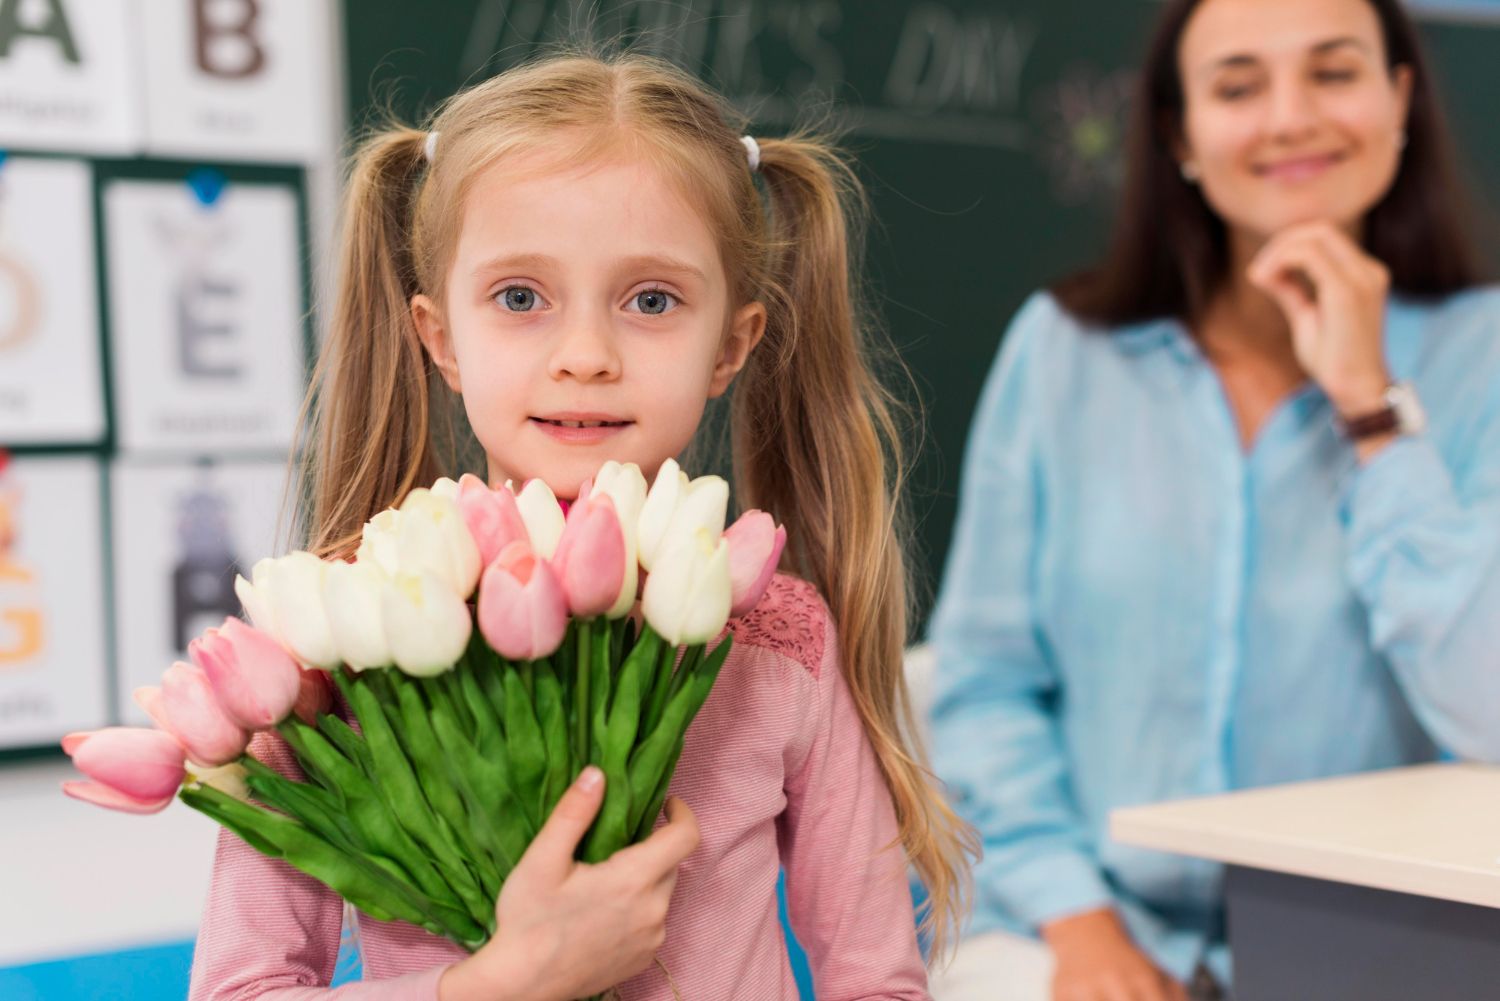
987	133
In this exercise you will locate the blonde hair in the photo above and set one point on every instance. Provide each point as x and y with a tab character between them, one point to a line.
383	420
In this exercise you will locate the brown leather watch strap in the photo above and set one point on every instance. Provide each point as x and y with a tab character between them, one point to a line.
1368	425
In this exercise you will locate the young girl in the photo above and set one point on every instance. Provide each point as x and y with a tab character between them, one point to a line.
579	251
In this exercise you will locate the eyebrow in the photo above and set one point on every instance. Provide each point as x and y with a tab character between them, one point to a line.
513	262
668	266
1241	59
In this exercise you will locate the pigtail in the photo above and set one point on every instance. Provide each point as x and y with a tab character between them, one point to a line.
817	441
368	422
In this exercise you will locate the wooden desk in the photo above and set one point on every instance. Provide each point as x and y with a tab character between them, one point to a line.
1376	887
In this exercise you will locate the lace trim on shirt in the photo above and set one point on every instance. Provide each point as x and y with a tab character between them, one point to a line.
790	620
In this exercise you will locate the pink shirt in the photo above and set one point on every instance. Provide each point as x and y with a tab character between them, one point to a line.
779	772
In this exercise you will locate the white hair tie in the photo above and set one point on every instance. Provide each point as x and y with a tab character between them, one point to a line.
752	152
429	148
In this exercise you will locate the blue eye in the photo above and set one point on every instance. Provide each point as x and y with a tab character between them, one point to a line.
519	298
654	301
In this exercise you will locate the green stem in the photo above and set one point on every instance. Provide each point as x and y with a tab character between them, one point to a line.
581	706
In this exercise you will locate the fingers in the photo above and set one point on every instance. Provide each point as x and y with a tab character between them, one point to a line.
1322	249
551	852
668	846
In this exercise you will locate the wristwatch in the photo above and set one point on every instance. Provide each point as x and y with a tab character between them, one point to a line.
1402	414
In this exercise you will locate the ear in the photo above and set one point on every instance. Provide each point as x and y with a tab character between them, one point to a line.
428	320
746	327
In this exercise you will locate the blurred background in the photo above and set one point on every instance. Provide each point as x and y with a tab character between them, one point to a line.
168	193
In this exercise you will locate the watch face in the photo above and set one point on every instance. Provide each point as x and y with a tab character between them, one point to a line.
1410	416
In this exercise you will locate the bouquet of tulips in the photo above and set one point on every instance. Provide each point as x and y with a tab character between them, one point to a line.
453	742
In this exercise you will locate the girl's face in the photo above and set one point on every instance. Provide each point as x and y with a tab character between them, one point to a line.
1291	114
588	317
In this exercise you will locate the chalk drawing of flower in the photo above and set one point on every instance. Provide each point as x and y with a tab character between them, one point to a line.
1081	132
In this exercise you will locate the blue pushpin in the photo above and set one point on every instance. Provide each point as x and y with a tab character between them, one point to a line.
207	185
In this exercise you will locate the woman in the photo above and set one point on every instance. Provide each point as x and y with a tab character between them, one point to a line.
1207	539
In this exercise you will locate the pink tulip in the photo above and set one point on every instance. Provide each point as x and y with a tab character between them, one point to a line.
186	708
590	557
255	680
492	516
523	612
131	769
314	696
755	545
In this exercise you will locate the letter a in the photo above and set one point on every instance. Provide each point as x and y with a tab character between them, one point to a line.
54	27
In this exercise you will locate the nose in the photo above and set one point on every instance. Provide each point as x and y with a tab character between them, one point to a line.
1293	110
586	351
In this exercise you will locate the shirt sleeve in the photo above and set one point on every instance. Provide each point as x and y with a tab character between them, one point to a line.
848	898
272	932
995	732
1424	556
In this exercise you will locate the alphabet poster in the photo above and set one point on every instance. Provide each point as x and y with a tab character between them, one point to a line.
51	388
205	297
68	76
181	533
53	671
237	79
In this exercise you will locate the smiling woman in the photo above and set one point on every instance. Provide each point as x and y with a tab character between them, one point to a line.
1202	504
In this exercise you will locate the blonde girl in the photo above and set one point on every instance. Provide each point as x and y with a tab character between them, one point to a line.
577	256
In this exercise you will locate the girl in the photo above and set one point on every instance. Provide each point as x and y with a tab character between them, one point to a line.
578	250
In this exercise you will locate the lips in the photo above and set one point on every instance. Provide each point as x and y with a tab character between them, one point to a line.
1299	168
581	428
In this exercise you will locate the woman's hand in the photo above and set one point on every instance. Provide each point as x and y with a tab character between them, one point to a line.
1097	961
565	929
1334	296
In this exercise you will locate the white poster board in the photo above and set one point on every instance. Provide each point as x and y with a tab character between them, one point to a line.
236	79
53	669
68	76
181	533
206	317
51	387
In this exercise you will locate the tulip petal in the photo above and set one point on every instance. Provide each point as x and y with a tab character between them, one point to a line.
102	795
427	624
590	557
144	765
543	517
351	600
755	546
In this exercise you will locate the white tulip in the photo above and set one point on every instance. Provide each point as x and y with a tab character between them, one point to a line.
624	485
352	601
378	541
427	625
447	489
543	517
255	596
676	508
688	593
294	584
431	536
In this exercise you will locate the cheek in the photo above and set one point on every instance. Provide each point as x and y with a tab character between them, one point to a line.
1221	141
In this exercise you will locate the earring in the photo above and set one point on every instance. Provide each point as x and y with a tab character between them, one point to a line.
1190	173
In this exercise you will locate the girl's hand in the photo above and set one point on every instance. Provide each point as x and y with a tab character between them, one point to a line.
1334	295
1097	961
567	930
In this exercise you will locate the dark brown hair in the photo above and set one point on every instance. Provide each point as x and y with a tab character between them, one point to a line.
1169	250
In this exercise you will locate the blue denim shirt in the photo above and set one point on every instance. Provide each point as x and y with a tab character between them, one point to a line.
1136	609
